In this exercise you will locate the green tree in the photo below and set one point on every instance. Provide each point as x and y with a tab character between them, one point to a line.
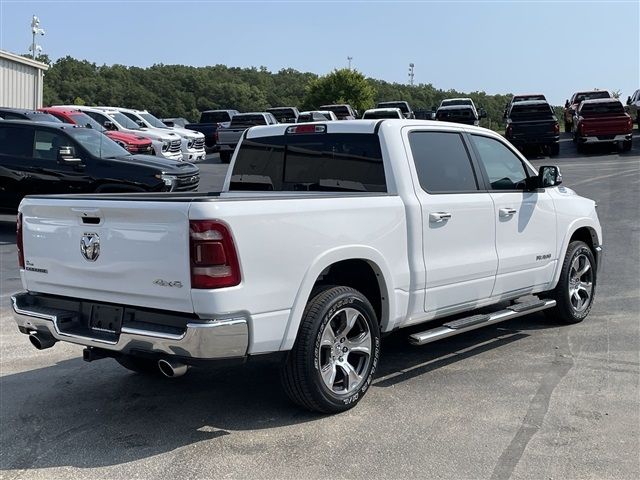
341	86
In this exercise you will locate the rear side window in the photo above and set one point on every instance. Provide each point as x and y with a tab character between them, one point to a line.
442	162
340	162
16	141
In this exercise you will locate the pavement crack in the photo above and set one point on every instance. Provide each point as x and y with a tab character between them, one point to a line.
538	407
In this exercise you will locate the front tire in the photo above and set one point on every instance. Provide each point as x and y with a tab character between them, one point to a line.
225	157
333	360
626	145
576	288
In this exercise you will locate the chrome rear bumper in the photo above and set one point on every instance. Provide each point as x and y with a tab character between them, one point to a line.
217	339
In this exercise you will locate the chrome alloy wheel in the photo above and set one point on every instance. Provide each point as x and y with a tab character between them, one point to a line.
580	282
345	351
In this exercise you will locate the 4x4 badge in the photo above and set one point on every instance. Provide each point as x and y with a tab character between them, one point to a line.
90	246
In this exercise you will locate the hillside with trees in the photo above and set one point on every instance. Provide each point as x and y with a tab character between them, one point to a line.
183	91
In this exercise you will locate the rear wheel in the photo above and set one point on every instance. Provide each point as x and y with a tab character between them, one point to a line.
554	149
567	127
141	365
626	145
225	157
577	285
336	353
581	147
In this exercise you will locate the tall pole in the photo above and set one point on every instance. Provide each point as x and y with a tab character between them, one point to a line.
411	73
349	60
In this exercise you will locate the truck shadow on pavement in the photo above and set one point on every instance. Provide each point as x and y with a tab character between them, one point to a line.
7	230
98	414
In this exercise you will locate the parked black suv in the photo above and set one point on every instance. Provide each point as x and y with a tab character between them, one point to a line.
533	124
48	158
24	114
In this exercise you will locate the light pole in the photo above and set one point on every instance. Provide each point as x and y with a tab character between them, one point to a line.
349	60
35	30
411	73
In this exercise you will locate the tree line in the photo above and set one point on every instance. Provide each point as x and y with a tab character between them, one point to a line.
184	91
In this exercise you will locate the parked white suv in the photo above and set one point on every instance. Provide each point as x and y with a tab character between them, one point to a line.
325	236
192	142
165	144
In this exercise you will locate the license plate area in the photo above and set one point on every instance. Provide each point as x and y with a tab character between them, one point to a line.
106	318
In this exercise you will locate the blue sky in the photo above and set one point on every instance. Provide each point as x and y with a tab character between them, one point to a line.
553	47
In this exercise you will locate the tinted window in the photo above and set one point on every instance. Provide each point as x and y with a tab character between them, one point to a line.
442	162
595	109
47	143
381	114
16	141
97	144
504	169
240	121
214	117
540	111
317	162
42	117
401	105
13	116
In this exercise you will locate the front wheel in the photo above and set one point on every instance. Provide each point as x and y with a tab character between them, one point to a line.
225	157
336	353
577	285
626	145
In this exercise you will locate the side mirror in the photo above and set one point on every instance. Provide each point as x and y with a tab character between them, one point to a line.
140	123
482	113
109	125
67	154
88	125
549	176
629	100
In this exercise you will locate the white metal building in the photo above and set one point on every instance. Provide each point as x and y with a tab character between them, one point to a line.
21	81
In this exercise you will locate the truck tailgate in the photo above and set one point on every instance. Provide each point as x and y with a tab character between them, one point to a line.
135	253
605	126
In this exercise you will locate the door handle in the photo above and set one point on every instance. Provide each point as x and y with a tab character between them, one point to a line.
507	212
437	217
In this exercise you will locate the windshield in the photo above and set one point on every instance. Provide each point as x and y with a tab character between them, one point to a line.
455	101
153	121
96	143
283	114
239	121
125	121
341	111
454	113
526	98
608	108
215	117
401	105
310	162
43	117
83	119
380	114
591	96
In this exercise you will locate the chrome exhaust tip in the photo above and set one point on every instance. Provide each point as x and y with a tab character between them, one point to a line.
41	341
171	368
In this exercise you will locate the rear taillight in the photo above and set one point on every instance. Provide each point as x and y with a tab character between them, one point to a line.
556	129
19	242
629	124
581	129
214	260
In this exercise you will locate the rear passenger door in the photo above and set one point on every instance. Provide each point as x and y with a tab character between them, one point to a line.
525	220
458	221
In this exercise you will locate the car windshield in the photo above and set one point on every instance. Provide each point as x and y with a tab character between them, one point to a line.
455	101
380	114
401	105
591	96
96	143
83	119
531	112
239	121
595	109
282	113
215	117
527	98
43	117
153	121
125	121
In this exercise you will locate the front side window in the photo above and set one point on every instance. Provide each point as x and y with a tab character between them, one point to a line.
47	143
504	169
442	162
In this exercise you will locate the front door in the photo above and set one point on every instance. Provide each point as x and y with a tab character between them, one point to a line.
457	221
525	219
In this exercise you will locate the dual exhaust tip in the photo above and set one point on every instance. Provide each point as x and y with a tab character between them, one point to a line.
169	368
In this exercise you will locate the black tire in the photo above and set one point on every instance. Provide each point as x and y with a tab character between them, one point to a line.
581	147
565	311
140	365
626	145
554	149
567	127
225	157
301	373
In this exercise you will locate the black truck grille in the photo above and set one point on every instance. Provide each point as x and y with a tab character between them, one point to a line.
187	183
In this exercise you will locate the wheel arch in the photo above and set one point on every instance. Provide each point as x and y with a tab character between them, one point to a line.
583	230
362	268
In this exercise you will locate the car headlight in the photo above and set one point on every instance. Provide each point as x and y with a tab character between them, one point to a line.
165	146
169	180
190	143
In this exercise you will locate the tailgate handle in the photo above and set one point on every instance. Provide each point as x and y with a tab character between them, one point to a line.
91	220
90	216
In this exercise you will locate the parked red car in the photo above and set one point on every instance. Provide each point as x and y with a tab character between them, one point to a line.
602	121
135	144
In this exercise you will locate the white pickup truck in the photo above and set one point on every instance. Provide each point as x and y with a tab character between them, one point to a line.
325	237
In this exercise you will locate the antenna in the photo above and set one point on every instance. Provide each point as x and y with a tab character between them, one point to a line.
349	60
411	73
35	30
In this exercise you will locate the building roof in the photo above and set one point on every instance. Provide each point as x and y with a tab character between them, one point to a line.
25	61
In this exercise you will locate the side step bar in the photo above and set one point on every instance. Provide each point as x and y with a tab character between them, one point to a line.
477	321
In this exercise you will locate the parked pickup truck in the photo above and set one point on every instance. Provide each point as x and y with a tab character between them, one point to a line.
285	114
570	106
343	111
324	238
533	124
44	157
464	114
210	120
602	121
402	105
227	138
523	97
633	106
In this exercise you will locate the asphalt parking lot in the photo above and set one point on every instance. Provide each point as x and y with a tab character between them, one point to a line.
524	399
